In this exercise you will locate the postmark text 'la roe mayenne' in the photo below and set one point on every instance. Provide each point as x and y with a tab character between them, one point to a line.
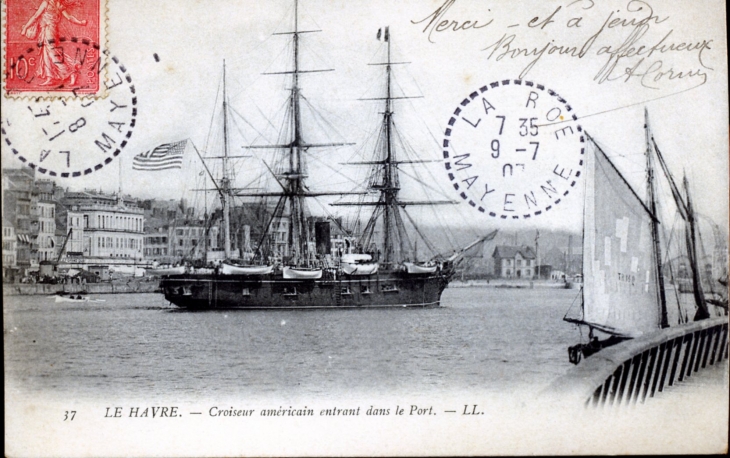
635	43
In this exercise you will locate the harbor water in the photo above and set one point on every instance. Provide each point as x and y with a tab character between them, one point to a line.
486	340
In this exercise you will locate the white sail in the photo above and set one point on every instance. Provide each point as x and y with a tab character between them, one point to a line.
620	280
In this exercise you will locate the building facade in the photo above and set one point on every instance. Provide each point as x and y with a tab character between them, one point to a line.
9	248
20	211
104	228
46	231
514	261
181	240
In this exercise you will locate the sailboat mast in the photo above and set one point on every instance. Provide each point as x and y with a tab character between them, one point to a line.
651	196
691	235
225	185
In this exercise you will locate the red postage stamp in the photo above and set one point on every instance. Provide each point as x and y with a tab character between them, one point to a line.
53	47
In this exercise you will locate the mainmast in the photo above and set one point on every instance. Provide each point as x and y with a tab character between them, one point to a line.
292	178
651	203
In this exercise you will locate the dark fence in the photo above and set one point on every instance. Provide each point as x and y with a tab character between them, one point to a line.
635	370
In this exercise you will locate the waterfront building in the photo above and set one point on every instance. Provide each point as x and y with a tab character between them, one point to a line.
176	241
187	239
9	248
514	261
109	229
47	231
20	210
75	234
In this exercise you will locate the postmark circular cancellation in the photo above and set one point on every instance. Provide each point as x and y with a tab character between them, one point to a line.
513	149
72	137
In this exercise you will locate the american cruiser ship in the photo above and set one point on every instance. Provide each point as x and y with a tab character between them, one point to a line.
380	269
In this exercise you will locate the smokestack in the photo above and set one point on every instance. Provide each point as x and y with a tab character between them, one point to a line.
322	237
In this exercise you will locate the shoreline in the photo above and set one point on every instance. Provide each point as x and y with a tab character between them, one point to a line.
40	289
28	289
514	283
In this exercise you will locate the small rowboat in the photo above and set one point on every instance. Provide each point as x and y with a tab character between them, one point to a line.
302	273
230	269
413	268
73	298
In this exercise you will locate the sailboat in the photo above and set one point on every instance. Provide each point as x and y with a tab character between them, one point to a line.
626	291
308	275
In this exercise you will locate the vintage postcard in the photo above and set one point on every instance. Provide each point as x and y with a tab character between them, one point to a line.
315	227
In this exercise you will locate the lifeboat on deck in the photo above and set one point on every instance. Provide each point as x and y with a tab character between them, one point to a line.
420	268
302	273
230	269
179	270
358	264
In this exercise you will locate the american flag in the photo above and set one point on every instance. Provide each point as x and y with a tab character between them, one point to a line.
165	156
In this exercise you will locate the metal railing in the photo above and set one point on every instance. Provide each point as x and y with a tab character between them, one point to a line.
635	370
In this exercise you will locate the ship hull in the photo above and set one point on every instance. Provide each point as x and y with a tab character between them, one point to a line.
392	289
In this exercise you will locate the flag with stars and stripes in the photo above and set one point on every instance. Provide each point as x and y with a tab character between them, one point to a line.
165	156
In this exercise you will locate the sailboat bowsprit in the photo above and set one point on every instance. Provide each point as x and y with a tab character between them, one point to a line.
306	276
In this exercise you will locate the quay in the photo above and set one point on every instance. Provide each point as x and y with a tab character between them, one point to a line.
134	286
635	371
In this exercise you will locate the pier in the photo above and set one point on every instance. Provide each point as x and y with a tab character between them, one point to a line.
635	371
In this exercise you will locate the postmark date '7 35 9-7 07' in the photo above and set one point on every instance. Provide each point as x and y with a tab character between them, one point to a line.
513	149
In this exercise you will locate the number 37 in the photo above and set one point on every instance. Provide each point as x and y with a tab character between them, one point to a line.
69	415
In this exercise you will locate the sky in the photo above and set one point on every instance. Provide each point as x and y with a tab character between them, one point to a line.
174	53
